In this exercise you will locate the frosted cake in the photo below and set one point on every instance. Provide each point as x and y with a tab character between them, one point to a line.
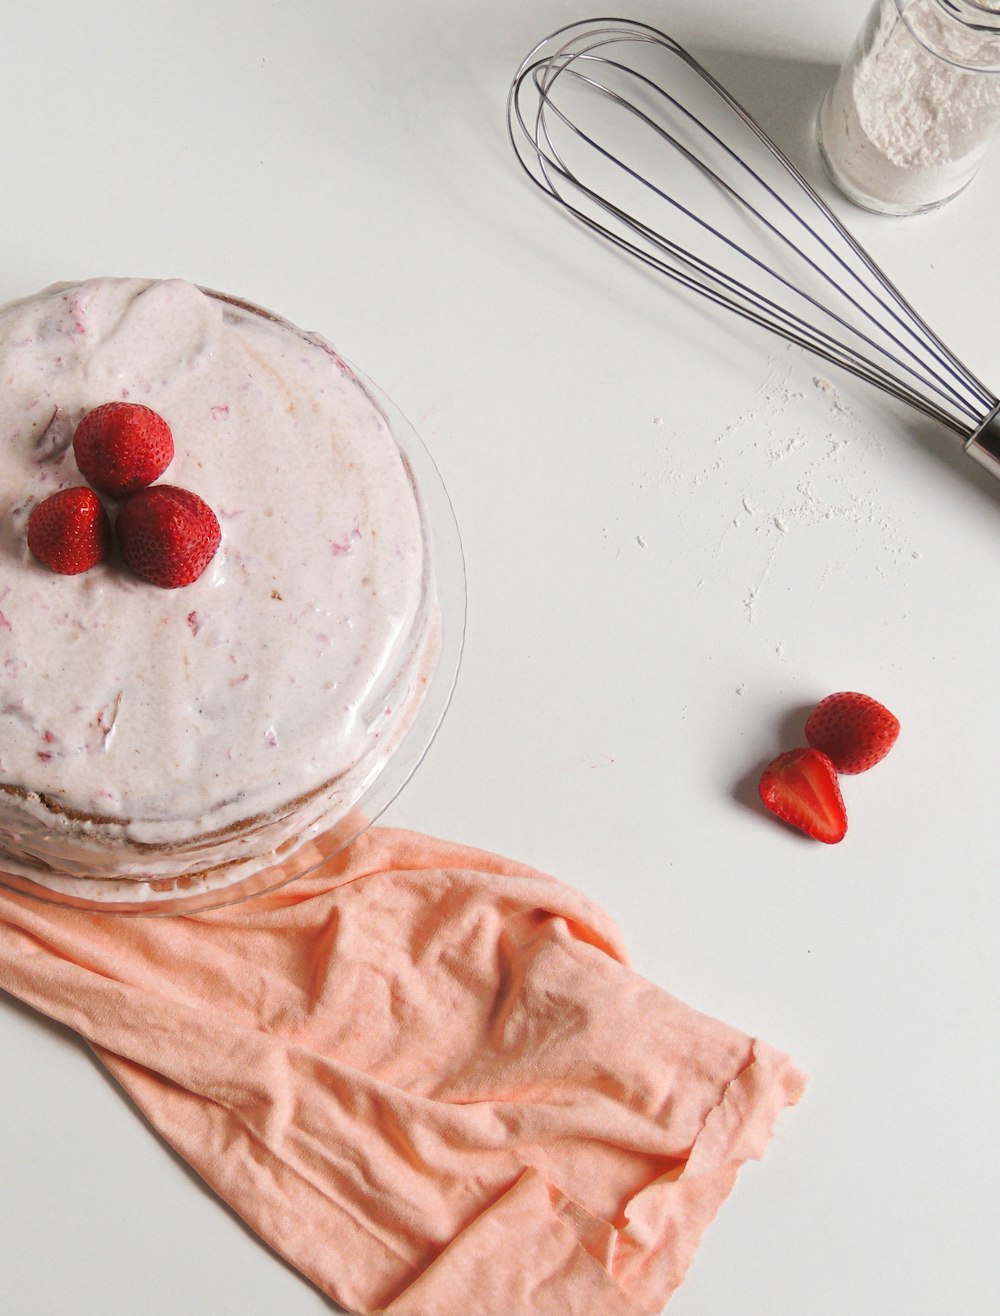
187	735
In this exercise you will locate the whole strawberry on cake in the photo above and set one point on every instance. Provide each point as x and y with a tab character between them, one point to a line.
210	647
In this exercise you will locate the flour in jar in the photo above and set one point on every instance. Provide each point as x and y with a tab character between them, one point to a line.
909	118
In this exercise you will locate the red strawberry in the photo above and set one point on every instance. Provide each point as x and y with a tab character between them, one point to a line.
853	730
69	531
801	788
167	535
121	447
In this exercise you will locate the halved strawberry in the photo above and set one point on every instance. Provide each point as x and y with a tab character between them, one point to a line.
69	531
853	730
801	788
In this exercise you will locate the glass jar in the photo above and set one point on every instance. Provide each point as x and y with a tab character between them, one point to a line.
908	120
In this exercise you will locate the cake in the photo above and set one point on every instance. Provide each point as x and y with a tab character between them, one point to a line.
172	737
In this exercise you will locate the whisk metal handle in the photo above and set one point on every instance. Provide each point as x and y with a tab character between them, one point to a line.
983	445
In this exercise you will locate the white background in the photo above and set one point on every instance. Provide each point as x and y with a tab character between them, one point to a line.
654	601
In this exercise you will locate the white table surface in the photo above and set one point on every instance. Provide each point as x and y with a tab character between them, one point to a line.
652	603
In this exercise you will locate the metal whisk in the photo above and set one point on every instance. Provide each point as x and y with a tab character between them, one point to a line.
627	131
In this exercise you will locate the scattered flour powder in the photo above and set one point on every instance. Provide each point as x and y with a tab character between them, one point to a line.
785	477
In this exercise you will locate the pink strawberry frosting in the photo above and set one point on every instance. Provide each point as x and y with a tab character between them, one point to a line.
272	688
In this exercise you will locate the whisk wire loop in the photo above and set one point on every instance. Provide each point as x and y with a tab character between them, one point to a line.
585	169
821	341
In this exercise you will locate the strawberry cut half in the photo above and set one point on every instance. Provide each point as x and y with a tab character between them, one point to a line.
800	787
853	730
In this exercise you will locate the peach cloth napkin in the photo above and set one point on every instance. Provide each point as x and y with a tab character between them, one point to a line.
424	1075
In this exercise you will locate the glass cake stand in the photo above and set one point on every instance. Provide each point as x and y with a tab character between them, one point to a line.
302	855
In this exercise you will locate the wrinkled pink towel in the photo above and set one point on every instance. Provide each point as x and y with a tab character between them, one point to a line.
424	1075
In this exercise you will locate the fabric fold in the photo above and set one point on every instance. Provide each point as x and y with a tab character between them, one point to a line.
424	1075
